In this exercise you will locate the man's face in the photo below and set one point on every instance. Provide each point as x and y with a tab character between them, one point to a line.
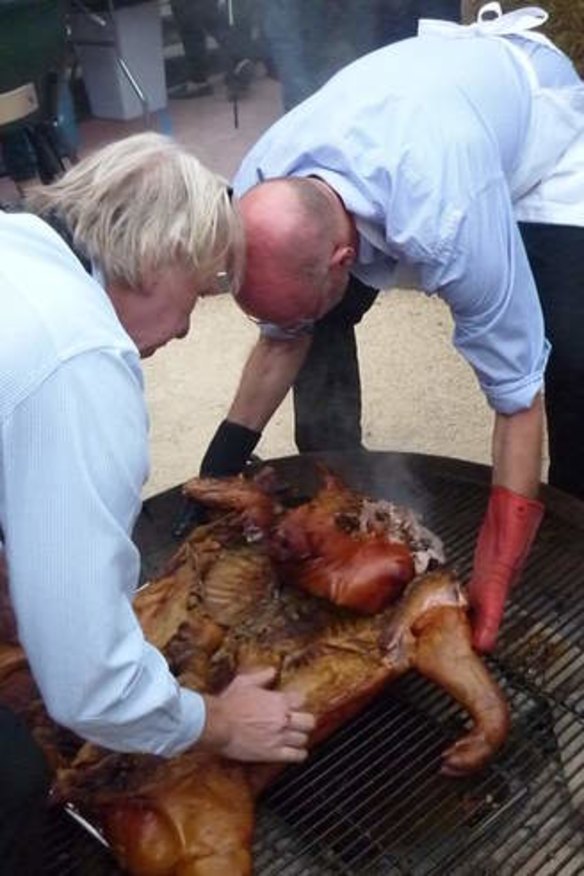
298	320
300	311
160	310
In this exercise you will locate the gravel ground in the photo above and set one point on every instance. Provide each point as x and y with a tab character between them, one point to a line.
418	394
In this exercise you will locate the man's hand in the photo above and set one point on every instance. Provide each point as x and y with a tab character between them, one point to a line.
249	723
268	374
504	542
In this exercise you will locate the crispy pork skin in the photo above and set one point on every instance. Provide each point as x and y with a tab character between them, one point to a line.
196	820
194	814
325	553
250	498
340	545
430	628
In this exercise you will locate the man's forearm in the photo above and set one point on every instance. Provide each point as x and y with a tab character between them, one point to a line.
267	376
517	449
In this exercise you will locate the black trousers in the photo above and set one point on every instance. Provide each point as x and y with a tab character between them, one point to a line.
398	19
24	786
327	393
556	256
197	18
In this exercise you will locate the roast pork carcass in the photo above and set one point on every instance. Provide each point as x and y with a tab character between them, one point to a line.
223	608
340	545
194	815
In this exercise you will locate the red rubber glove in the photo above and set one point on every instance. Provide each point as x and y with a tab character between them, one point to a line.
505	538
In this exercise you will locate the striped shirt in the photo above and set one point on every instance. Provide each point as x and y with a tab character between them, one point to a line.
73	460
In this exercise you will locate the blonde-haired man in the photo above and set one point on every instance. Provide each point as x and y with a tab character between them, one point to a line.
105	268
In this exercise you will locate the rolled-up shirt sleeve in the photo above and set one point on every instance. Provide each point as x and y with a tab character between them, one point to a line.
489	286
76	460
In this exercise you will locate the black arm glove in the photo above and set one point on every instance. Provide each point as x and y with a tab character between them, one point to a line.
229	450
227	454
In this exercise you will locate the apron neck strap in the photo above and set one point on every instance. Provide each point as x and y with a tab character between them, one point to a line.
491	21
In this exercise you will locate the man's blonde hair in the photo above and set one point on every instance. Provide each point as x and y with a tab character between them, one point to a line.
145	202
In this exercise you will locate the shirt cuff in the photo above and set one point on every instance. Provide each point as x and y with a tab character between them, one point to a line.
512	396
193	714
511	400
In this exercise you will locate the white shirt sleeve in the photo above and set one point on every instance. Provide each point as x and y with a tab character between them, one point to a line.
75	462
487	282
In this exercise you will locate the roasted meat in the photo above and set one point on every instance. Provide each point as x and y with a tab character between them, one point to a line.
430	627
194	814
223	607
340	545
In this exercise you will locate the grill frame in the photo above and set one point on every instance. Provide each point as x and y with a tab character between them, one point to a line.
364	805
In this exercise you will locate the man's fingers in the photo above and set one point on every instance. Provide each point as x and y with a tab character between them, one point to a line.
485	638
273	730
302	721
485	629
281	754
487	602
259	677
486	622
295	739
294	698
291	755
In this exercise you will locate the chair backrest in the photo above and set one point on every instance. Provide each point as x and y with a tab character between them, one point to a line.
18	105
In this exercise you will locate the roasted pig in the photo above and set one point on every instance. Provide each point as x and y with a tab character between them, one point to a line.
223	607
358	553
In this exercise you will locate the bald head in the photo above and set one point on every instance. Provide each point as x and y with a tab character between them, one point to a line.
291	226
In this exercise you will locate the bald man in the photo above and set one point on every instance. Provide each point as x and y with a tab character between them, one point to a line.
419	160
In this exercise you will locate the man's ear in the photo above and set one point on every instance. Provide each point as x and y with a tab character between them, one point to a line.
342	257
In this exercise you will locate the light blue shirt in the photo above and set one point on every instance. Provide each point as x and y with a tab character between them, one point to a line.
421	140
73	460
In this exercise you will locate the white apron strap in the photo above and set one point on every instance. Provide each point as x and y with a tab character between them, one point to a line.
492	22
556	126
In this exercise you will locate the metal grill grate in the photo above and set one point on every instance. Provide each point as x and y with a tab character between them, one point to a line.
371	800
70	850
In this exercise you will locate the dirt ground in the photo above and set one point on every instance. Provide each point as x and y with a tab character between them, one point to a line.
418	394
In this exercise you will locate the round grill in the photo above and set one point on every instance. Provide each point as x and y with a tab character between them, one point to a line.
371	801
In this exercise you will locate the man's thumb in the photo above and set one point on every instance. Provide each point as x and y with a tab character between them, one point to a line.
487	619
261	677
